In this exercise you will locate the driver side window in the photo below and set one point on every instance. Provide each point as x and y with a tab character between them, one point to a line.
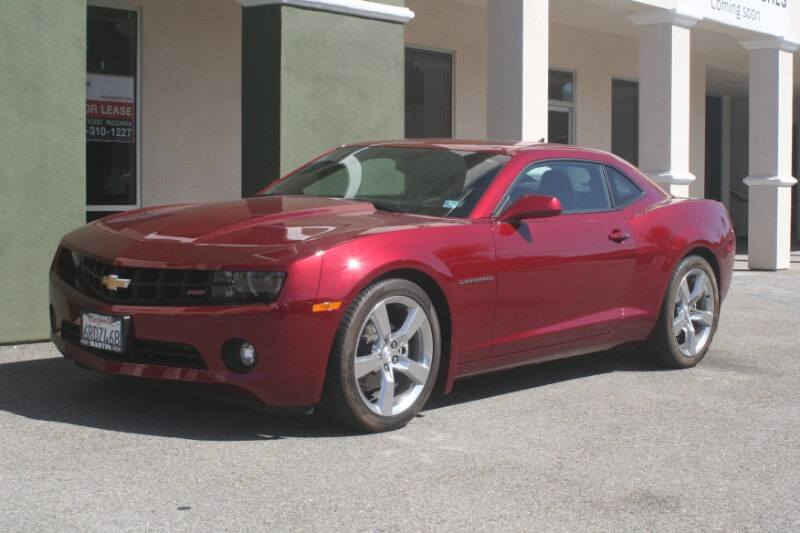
579	185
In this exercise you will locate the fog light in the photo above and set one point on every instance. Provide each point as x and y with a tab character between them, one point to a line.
239	355
247	353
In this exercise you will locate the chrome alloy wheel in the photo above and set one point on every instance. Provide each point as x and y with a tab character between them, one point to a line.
393	355
694	311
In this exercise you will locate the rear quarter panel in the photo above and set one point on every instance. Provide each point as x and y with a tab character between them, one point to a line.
665	233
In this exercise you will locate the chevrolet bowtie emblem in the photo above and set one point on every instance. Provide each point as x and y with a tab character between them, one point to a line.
113	282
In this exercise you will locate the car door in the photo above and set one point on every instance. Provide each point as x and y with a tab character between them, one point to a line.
563	278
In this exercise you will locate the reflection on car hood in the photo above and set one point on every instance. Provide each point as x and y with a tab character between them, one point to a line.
261	220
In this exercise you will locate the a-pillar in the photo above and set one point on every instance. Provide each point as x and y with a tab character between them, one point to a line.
665	98
317	74
517	69
770	154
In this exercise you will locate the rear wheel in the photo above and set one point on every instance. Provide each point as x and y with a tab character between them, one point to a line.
385	357
689	316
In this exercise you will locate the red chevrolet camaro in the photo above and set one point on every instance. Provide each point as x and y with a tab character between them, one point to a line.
379	271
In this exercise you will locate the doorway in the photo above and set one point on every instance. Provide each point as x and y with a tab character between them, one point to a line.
713	163
795	192
429	93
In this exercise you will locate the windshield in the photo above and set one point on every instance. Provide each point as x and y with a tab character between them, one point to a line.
422	181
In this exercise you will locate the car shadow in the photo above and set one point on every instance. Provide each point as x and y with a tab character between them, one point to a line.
621	359
57	390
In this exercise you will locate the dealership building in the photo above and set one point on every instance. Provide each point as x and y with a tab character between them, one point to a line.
113	105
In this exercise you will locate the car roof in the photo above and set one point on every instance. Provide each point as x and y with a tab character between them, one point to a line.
471	145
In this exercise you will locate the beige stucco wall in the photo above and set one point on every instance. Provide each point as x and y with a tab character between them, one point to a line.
436	25
191	100
596	58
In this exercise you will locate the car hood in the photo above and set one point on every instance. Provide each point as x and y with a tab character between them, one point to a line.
274	220
275	229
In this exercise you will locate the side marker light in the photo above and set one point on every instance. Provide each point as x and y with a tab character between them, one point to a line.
326	306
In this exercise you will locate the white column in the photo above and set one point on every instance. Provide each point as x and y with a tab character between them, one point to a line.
517	69
770	154
665	98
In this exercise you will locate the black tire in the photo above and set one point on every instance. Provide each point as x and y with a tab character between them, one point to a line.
664	346
343	396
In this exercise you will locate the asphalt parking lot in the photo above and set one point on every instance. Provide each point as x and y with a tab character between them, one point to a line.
599	442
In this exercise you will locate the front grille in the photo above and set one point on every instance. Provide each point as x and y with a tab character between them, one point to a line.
142	351
148	286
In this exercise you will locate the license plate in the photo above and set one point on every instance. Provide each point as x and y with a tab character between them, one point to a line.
104	332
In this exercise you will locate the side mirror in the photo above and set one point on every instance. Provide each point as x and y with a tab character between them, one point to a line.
531	206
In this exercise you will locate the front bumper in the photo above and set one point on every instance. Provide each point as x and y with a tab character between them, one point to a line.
291	341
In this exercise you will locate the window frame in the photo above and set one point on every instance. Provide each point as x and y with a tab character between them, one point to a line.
570	107
500	208
452	54
138	107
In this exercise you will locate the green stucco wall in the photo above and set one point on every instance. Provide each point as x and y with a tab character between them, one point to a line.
42	152
331	79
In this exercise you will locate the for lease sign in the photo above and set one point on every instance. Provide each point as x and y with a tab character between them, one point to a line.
765	16
110	108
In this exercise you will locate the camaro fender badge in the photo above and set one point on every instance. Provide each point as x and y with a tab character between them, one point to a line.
469	281
114	282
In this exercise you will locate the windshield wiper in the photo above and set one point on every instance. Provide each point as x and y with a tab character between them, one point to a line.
391	208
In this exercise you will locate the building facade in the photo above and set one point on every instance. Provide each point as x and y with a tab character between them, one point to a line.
114	105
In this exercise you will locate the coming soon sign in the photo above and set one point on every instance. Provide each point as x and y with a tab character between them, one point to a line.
764	16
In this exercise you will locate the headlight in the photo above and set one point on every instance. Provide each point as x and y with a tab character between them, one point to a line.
246	286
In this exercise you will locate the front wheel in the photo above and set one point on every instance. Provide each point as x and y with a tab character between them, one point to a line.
689	316
385	357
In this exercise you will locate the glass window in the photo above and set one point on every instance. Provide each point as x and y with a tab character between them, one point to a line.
578	185
559	125
561	85
112	181
561	113
422	181
625	120
623	190
429	93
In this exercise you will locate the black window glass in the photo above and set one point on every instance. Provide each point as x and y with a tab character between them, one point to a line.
578	185
625	119
623	190
561	85
429	94
558	125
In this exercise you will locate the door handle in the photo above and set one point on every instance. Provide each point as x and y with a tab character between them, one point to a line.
618	236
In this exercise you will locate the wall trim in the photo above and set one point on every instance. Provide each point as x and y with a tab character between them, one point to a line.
672	177
771	44
357	8
667	16
769	181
